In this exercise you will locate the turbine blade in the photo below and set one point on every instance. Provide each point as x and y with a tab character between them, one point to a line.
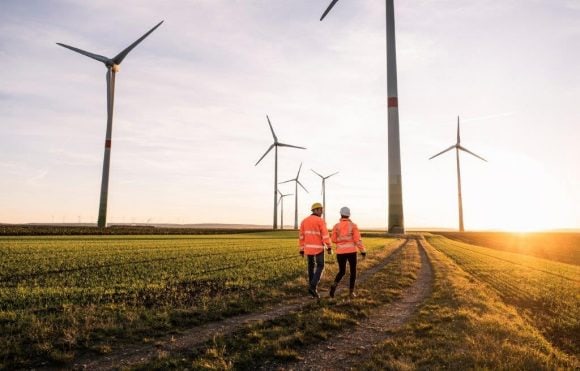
287	181
468	151
272	129
331	175
458	137
289	145
97	57
300	168
442	152
264	155
317	173
328	9
297	181
119	57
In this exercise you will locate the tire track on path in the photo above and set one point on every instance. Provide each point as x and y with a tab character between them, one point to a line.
347	350
133	355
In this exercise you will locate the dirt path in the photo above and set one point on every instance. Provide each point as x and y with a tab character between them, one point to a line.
132	355
347	350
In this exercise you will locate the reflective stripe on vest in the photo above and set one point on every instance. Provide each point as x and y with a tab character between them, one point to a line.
317	233
345	245
314	246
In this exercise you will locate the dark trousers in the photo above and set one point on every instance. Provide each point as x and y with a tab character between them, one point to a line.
342	259
315	268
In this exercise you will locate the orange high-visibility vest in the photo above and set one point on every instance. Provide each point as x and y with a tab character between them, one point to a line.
346	236
313	235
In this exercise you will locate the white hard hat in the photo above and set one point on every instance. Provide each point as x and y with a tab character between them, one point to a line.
345	211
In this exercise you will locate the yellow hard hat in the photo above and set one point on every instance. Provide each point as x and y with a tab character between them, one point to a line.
316	205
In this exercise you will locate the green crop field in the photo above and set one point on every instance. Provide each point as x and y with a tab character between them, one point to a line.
63	295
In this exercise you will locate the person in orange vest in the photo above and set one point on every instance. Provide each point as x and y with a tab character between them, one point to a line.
346	236
312	239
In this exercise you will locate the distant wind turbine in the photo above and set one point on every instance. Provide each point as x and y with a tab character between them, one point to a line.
112	65
458	147
324	190
281	202
275	145
297	182
396	220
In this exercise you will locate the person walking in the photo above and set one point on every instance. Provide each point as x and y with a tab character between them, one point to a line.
346	236
312	239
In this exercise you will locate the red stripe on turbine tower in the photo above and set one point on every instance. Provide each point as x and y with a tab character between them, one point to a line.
108	143
393	102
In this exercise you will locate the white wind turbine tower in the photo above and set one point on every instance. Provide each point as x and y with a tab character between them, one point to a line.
396	220
112	65
275	145
297	182
458	147
281	202
323	191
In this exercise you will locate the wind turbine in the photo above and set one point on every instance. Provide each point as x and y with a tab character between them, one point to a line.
112	65
275	145
396	221
297	182
458	147
281	202
324	191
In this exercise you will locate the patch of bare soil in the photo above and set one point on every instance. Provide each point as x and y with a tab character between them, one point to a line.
347	350
137	354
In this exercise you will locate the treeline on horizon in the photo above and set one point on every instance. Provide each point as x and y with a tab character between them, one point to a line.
68	230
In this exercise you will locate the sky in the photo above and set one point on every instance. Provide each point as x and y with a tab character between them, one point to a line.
191	103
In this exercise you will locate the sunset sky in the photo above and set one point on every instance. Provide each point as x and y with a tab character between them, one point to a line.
191	104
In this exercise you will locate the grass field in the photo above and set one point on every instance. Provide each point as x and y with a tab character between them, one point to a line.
545	292
65	296
558	246
62	295
466	325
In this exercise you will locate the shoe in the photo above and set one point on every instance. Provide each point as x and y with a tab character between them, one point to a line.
314	293
332	290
